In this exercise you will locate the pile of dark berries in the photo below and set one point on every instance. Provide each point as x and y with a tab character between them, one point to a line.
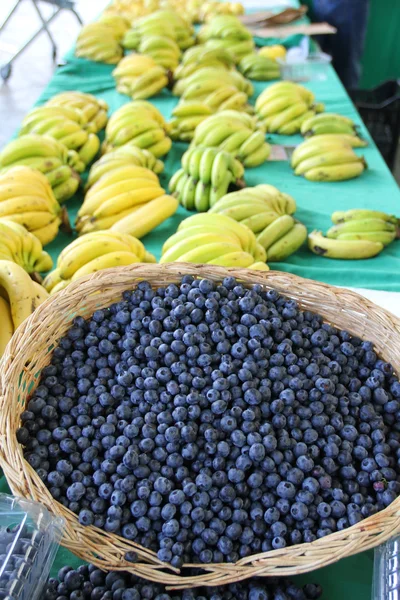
210	422
90	583
21	549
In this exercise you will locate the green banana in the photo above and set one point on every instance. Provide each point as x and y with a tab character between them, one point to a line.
206	164
287	244
202	197
275	231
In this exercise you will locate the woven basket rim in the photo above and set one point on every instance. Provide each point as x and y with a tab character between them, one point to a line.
107	550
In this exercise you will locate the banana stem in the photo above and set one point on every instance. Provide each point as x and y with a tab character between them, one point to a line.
65	222
35	276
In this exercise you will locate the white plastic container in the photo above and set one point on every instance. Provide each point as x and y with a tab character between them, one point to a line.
29	539
314	67
386	581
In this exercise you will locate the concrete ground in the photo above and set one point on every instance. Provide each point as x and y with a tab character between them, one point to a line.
33	69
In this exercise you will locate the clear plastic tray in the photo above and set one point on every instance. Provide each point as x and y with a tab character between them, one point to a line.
314	67
29	539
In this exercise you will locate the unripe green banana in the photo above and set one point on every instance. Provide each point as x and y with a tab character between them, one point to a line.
287	244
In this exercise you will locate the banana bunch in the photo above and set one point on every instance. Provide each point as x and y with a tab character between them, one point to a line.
139	124
48	156
205	177
139	76
116	195
229	33
328	123
209	9
19	297
118	23
224	26
237	49
348	249
256	207
64	124
281	238
121	157
163	50
92	109
200	56
267	212
364	224
147	216
227	97
236	133
166	23
216	240
26	198
22	247
284	106
258	67
127	9
186	117
318	159
206	80
94	252
98	42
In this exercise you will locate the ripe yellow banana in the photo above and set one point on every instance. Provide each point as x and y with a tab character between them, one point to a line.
7	325
247	237
361	225
16	284
39	294
233	259
384	237
329	158
342	249
106	261
361	213
259	266
336	172
207	252
47	234
148	217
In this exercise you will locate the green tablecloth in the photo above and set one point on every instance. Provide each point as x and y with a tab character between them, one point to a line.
376	189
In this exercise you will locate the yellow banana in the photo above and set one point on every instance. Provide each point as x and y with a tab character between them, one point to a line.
148	217
336	157
342	249
17	286
361	213
52	279
233	259
60	286
7	325
259	266
336	172
106	261
39	294
48	233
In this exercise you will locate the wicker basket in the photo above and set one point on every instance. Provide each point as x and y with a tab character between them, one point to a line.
30	349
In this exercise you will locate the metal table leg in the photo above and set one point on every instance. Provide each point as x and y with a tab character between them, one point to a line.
6	69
